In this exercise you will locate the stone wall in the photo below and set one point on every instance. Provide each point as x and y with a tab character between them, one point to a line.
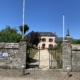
66	55
12	55
75	57
71	56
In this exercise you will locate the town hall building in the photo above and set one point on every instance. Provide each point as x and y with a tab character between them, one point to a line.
49	39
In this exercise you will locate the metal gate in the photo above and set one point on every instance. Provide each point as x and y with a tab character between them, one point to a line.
55	58
32	61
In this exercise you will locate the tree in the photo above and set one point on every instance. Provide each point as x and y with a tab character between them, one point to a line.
26	28
75	41
9	29
9	35
59	44
34	38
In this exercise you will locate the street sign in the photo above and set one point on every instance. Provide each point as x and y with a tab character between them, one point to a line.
5	54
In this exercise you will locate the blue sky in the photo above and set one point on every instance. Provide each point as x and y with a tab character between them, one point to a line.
42	15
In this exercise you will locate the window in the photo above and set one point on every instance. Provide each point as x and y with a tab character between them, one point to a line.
50	40
43	40
50	46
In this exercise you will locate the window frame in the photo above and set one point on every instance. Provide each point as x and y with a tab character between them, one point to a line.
50	40
43	39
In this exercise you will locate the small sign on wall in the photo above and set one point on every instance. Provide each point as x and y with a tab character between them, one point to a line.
3	54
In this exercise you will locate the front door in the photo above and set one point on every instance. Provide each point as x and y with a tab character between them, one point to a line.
43	46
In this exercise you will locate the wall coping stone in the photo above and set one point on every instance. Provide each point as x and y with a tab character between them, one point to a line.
65	41
75	49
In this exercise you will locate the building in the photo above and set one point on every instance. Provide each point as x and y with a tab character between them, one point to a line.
47	40
67	37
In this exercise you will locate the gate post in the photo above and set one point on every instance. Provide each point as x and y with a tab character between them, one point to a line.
49	58
22	53
66	55
39	57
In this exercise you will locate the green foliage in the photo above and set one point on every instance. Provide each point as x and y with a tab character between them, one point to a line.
9	35
71	41
26	28
59	45
75	41
28	45
32	53
59	63
57	53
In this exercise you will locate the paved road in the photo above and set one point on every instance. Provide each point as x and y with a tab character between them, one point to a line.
37	74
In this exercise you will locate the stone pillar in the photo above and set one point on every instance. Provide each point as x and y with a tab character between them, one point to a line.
66	55
22	54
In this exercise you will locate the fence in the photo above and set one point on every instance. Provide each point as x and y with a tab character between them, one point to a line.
55	58
33	59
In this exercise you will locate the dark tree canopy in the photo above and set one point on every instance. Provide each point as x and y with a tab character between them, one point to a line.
34	38
26	28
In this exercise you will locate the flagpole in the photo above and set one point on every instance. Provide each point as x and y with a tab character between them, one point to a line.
63	27
23	18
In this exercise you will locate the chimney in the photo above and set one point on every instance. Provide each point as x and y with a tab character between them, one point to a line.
55	33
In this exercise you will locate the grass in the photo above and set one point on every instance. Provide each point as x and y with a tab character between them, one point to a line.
32	53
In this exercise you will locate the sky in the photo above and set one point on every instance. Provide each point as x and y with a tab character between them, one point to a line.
42	15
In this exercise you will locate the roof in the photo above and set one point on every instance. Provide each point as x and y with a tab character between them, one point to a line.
46	34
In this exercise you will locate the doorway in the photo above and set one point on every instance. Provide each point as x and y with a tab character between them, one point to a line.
43	46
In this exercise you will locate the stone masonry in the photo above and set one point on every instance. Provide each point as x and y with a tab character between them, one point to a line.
16	54
75	57
66	55
71	56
